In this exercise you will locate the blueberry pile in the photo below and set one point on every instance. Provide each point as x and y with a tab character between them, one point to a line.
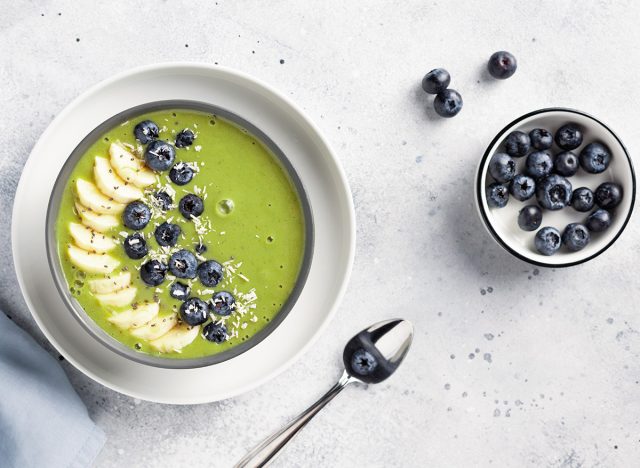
545	179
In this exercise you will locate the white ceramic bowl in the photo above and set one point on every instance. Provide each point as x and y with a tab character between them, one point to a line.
502	223
311	157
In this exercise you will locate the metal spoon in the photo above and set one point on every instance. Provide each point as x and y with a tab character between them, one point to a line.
369	357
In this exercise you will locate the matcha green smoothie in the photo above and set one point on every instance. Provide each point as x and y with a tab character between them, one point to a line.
137	283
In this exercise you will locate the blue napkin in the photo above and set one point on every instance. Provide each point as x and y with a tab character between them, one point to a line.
43	422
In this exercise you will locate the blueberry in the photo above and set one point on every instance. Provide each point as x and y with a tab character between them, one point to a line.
569	137
222	303
436	81
497	195
502	65
595	158
582	199
136	215
179	291
135	246
599	221
181	174
447	103
163	200
541	139
201	248
191	205
517	144
210	273
153	272
539	164
530	218
167	234
522	187
363	362
183	264
160	155
548	240
566	164
215	332
194	311
502	167
608	195
185	138
575	237
146	131
554	192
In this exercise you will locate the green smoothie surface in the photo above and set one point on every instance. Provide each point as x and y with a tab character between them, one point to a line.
253	224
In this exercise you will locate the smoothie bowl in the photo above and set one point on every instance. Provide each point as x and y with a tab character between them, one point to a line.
178	234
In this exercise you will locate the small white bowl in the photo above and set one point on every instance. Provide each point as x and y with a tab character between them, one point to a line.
502	223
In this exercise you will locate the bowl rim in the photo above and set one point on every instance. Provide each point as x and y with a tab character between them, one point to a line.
480	188
54	260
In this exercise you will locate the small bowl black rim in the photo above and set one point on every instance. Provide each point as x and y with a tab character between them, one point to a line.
480	188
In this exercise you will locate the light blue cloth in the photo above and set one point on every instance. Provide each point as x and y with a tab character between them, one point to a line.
43	422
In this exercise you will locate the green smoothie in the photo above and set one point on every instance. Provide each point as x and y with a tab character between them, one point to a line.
253	225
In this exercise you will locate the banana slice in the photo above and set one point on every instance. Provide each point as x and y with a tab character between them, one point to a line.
155	328
88	239
111	184
135	318
92	198
130	168
96	221
111	284
92	262
176	338
120	298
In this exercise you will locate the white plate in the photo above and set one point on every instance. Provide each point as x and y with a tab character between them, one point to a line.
308	152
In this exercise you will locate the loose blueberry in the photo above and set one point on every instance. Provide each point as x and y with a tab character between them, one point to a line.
215	332
183	264
163	200
135	246
136	215
185	138
522	187
194	311
608	195
595	158
554	192
363	362
569	137
447	103
548	240
502	65
582	199
160	155
153	272
181	174
502	167
191	205
179	291
539	164
566	164
167	234
497	195
530	218
222	303
201	248
436	81
210	273
146	131
575	237
599	221
517	144
541	139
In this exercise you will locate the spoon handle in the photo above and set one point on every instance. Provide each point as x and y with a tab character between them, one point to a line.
265	452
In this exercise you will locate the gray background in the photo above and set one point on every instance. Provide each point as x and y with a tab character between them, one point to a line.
511	366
